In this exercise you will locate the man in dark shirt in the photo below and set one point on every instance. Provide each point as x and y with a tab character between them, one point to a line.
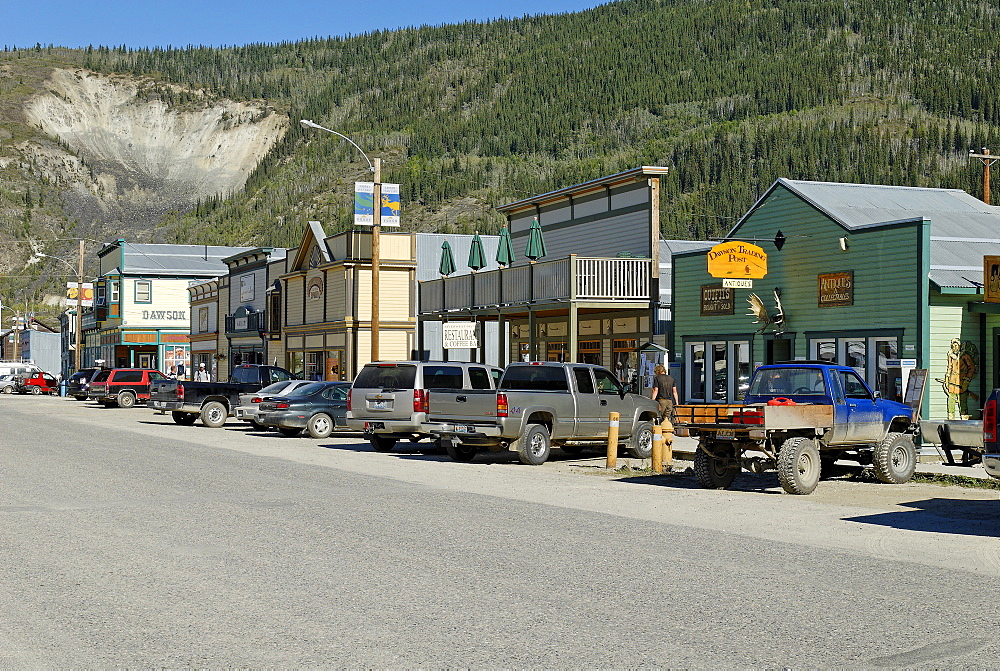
664	392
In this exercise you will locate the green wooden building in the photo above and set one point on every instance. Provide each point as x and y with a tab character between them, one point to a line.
857	274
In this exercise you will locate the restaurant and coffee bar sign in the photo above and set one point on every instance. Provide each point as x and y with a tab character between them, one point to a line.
737	259
717	300
836	289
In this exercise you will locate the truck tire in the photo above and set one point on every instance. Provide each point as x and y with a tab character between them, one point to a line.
640	444
382	443
320	426
183	418
799	465
713	473
213	414
894	459
126	399
534	446
460	452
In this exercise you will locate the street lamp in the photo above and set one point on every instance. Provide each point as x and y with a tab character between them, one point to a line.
79	301
376	168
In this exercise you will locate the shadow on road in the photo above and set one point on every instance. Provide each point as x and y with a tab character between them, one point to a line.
946	516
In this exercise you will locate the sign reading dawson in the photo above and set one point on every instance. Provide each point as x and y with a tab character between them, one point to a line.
164	315
737	259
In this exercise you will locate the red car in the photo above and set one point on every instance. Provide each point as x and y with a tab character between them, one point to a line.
38	383
123	387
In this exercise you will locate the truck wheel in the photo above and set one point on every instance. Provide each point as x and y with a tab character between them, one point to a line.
126	399
460	452
320	426
289	432
533	448
713	473
213	414
894	459
640	444
798	465
382	443
183	418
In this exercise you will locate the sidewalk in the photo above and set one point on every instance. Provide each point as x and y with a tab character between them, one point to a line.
684	449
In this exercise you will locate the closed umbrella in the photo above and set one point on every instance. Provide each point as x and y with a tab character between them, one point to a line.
505	251
536	243
477	255
447	266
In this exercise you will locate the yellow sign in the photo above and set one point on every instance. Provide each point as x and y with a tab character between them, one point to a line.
737	259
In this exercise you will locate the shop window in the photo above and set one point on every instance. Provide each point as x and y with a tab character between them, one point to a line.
696	371
718	371
589	351
294	362
315	362
866	355
274	314
556	351
625	357
334	365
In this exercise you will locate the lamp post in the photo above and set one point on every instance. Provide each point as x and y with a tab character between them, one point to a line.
376	168
79	302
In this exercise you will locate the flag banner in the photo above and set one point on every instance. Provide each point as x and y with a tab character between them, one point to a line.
364	203
390	205
88	294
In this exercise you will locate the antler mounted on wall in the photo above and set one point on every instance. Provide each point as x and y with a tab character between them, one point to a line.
759	311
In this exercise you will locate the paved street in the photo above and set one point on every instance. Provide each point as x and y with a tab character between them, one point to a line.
130	541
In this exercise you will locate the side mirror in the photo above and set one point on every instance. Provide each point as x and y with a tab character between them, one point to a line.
878	395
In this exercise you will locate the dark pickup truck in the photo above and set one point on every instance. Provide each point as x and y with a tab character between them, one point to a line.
213	402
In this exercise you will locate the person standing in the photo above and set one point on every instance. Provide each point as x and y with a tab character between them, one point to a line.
664	392
202	374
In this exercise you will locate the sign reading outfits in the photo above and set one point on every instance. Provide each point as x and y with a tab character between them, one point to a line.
836	289
991	279
737	259
717	300
459	335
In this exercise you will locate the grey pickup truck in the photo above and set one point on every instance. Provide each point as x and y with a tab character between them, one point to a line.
539	405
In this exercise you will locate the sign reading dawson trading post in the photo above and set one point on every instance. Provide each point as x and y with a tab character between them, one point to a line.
364	204
737	259
717	300
459	335
836	289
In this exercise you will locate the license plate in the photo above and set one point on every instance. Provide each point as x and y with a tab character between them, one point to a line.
380	405
371	426
726	433
465	429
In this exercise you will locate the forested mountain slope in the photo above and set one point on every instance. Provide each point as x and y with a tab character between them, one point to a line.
730	95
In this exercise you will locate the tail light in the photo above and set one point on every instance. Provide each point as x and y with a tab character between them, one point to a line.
256	399
990	421
281	406
501	405
349	392
420	400
180	392
748	417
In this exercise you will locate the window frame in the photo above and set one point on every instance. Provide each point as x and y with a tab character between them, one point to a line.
149	291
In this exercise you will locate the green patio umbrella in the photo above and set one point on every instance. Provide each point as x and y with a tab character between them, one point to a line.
536	244
477	255
505	252
447	266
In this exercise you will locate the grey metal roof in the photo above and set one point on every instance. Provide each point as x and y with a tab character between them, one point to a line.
429	253
177	260
667	249
958	263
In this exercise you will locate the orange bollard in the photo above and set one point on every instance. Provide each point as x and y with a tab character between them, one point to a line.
657	455
613	440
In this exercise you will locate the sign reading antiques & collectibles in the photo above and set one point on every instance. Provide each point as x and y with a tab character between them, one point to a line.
737	259
717	300
836	289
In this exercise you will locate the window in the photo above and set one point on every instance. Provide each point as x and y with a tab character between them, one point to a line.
589	351
479	378
556	351
101	289
442	377
128	376
717	371
374	376
534	378
143	291
788	381
607	383
853	386
315	365
274	314
114	291
584	383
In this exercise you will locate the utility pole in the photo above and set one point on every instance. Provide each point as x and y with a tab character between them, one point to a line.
376	228
987	160
79	311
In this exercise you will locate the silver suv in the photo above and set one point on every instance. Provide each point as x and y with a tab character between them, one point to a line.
388	400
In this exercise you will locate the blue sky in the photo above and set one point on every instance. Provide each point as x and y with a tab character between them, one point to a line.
79	23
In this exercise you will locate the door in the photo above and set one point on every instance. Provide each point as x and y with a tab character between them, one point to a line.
589	410
146	360
864	416
609	392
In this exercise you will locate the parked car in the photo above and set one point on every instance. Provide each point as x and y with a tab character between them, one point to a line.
123	387
249	406
317	407
37	383
388	400
78	383
213	402
18	368
8	384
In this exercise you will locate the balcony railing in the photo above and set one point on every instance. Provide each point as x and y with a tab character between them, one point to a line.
252	322
570	278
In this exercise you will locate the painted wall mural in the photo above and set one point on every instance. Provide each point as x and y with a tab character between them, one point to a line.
963	363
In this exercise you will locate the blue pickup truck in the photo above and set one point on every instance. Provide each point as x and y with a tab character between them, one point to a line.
802	416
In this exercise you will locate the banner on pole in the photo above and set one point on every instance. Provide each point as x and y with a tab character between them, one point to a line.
88	294
390	205
364	204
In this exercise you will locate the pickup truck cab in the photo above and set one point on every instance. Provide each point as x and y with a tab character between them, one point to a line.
539	405
803	416
123	387
388	400
212	402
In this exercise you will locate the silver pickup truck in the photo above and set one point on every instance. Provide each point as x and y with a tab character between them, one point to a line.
537	406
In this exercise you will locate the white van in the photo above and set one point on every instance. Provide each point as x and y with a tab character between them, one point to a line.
18	368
